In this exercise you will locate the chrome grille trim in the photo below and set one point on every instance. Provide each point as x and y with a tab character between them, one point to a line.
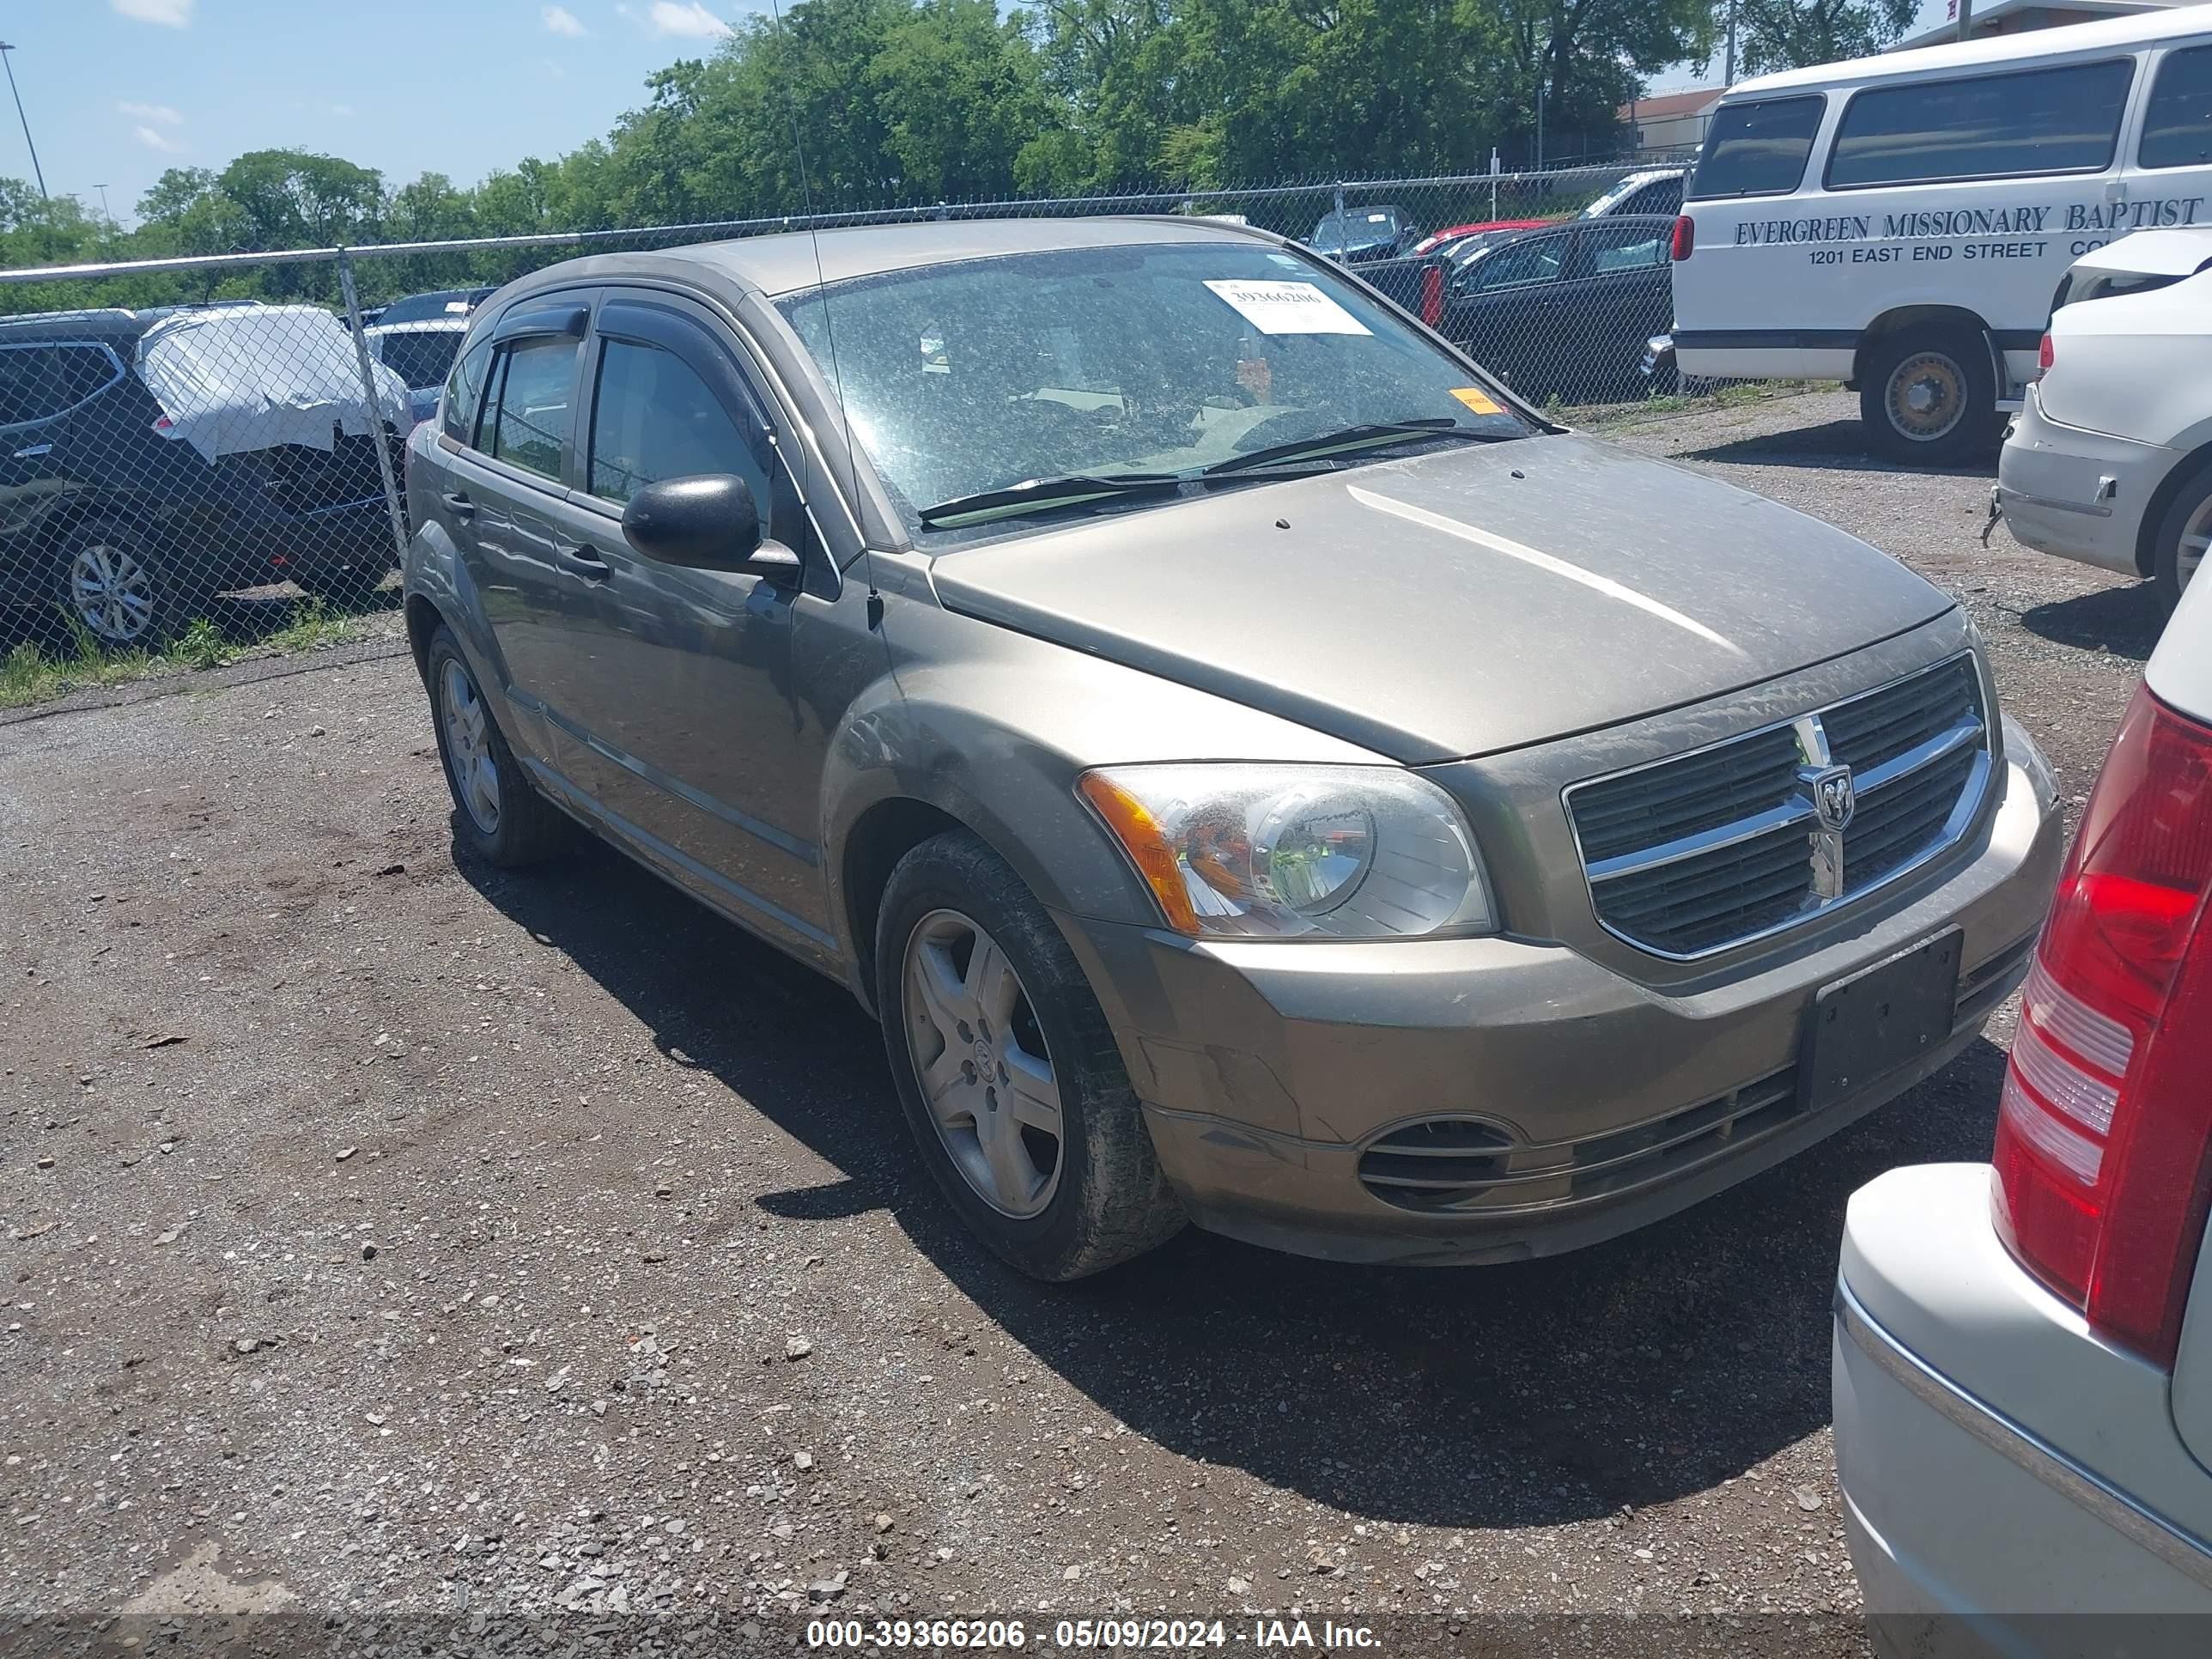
1905	798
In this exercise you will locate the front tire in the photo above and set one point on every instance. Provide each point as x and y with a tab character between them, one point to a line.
1009	1075
2178	545
1927	395
498	814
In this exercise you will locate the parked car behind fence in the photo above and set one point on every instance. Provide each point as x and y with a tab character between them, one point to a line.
151	460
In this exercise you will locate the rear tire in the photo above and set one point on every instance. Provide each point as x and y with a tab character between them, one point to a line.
2178	546
1028	1048
498	813
113	590
1927	395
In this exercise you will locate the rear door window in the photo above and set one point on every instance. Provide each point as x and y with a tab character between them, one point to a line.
1757	148
1517	265
1606	249
1988	126
2178	121
530	422
37	382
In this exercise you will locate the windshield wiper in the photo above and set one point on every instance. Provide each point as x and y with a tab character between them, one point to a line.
1037	495
1368	435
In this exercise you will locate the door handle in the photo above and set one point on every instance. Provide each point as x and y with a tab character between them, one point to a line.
583	561
458	504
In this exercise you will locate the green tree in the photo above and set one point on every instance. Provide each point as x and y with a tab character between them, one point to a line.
1777	35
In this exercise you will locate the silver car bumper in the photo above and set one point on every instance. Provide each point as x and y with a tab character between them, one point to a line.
2075	494
1271	1072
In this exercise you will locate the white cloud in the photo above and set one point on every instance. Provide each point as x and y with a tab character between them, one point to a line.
152	138
691	20
171	14
559	20
341	109
160	114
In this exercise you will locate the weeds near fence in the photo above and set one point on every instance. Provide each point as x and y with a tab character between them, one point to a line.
30	674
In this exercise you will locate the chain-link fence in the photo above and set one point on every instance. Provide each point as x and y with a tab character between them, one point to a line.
182	437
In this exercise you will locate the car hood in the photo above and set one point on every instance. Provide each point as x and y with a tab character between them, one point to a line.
1457	603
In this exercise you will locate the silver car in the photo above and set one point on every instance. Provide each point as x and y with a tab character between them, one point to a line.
1259	774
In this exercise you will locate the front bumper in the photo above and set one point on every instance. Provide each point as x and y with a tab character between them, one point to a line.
2075	494
1270	1071
2010	1483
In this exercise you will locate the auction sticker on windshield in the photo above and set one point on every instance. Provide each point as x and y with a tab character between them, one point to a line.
1287	307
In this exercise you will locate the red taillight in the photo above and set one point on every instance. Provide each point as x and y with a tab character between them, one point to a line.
2042	355
1685	242
2106	1118
1432	295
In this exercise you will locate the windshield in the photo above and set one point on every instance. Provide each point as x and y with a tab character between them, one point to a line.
1356	227
975	376
1618	194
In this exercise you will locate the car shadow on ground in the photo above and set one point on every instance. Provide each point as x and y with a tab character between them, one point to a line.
1629	1374
2124	620
1832	445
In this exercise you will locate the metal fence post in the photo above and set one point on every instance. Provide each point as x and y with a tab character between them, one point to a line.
376	407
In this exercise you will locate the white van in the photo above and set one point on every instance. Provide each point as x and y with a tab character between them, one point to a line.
1901	223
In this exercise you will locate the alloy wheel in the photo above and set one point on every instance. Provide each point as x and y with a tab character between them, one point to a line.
981	1063
2196	537
1926	396
468	746
111	592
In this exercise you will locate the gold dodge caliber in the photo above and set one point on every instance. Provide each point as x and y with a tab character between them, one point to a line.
1258	773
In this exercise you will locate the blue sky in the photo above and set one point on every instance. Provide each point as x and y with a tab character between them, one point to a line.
117	90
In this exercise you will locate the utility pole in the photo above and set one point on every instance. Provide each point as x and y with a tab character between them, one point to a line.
35	171
104	213
1728	74
1965	20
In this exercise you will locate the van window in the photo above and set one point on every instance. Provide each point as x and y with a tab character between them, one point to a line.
2178	122
1990	126
1758	148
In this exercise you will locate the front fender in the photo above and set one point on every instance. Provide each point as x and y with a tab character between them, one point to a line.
991	728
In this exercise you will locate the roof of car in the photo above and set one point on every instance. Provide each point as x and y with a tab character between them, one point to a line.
786	261
1996	51
114	323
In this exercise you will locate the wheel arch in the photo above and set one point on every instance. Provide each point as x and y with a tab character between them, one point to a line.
884	833
2177	478
1896	321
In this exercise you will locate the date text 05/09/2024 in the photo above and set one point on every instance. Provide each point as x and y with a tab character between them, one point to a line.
1089	1635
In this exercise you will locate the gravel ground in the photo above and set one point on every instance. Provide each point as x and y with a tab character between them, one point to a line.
389	1235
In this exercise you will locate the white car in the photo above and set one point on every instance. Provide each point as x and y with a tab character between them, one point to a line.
2023	1352
2110	459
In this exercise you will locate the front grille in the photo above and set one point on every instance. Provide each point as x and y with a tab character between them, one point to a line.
1694	854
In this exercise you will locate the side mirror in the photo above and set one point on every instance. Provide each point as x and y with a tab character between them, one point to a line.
710	522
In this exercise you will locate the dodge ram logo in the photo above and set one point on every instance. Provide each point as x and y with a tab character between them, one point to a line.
1834	799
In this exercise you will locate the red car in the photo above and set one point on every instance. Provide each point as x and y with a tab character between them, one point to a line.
1437	239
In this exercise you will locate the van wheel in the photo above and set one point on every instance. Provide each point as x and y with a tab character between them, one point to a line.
2178	549
1928	396
1009	1078
500	816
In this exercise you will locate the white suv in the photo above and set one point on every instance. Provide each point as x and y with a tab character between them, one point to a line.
2023	1354
2110	459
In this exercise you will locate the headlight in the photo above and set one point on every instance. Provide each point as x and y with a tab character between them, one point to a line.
1284	852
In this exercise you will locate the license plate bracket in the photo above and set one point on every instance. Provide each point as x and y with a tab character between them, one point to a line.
1879	1018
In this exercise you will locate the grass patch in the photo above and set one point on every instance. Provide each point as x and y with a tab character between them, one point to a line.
31	673
1722	394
